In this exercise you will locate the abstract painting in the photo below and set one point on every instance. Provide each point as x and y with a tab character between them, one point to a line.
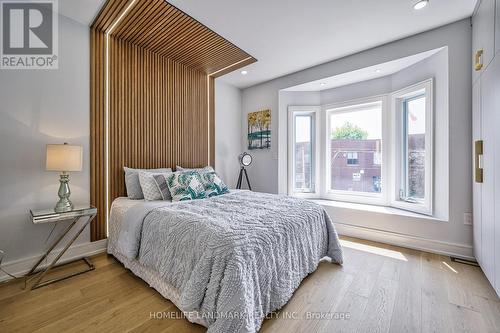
259	130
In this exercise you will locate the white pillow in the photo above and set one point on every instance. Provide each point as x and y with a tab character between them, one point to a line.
204	169
150	188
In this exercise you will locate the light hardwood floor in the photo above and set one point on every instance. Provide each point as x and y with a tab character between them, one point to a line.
380	288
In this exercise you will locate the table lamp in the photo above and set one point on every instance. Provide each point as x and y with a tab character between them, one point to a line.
64	158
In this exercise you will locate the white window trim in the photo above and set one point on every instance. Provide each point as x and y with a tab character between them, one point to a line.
427	206
356	197
292	112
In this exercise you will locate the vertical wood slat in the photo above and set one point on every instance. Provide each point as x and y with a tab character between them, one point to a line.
161	99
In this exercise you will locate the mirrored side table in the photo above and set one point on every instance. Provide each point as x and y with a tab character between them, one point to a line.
50	216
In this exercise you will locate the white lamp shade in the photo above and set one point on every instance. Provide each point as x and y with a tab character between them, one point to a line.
64	158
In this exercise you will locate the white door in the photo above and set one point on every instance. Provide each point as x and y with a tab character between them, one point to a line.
483	34
489	127
496	74
476	187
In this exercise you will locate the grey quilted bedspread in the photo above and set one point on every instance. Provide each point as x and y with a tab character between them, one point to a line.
237	257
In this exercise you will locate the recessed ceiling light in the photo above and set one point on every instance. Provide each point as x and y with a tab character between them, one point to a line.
378	70
420	4
322	84
244	72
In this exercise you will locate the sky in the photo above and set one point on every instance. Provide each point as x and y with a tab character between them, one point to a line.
368	120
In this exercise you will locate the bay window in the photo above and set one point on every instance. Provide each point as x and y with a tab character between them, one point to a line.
365	151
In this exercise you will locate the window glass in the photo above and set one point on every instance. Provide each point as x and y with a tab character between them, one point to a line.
355	146
414	148
303	168
352	158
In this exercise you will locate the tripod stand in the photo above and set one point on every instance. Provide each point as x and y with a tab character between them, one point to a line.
238	185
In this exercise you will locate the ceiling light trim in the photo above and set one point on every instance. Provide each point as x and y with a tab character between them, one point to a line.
420	4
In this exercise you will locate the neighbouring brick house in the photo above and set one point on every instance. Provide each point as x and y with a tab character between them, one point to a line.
356	165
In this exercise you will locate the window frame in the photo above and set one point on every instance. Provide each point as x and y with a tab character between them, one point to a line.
348	158
352	196
294	111
399	129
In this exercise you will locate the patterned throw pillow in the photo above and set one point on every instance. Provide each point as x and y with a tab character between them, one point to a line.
132	183
149	186
161	182
186	185
213	184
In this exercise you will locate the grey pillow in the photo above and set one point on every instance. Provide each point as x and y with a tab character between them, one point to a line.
204	169
132	183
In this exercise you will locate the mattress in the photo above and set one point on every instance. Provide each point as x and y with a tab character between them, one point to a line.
119	208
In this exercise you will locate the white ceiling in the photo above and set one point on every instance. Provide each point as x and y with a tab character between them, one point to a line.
82	11
364	74
289	35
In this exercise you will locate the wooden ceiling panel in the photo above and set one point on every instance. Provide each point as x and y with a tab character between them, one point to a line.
162	28
108	14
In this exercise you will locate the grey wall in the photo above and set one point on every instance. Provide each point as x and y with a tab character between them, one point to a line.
445	146
263	171
368	88
227	131
39	107
457	37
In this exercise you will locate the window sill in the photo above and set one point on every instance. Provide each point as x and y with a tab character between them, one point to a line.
374	209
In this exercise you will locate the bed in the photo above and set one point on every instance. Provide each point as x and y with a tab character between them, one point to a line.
225	261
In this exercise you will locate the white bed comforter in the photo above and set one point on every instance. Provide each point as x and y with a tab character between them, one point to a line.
234	258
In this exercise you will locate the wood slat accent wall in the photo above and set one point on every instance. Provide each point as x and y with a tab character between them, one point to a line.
158	111
159	108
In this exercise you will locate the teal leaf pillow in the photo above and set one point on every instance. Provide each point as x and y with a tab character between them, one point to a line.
186	185
213	184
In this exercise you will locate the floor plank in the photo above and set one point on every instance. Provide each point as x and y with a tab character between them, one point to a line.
435	309
378	311
466	320
407	313
380	288
349	314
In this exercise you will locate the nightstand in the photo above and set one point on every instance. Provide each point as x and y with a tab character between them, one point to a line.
50	216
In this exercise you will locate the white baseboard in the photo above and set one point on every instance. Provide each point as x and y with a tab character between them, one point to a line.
412	242
22	266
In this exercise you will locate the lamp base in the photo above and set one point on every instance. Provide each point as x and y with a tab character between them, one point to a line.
64	204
